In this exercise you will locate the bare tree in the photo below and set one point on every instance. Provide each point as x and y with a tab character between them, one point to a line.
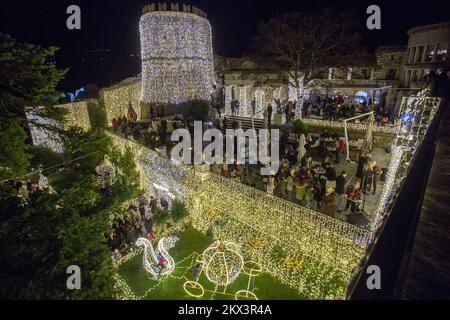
301	47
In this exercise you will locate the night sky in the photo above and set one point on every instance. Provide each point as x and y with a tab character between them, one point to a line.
113	25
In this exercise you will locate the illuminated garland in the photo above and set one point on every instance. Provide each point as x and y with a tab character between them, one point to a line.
177	58
418	113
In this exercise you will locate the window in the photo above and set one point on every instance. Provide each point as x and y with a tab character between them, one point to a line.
419	54
413	53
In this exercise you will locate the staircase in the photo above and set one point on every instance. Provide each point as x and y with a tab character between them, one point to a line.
246	122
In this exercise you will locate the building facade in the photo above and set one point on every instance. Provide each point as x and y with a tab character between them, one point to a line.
428	50
381	79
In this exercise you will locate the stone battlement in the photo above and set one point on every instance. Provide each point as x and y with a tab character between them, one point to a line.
174	7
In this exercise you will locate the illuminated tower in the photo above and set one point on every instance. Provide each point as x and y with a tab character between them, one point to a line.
176	53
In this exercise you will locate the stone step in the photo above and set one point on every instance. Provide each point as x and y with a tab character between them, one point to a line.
246	122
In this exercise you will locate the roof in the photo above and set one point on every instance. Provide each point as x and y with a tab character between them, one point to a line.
430	27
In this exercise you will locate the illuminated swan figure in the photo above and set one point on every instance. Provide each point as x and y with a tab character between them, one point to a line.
151	256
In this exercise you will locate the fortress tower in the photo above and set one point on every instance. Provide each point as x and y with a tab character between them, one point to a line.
176	53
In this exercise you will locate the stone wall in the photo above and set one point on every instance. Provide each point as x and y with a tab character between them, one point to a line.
77	116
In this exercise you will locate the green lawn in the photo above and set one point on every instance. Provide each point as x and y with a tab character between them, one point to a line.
171	287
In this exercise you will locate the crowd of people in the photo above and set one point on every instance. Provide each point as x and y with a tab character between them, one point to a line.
328	108
24	188
137	224
153	134
335	109
313	184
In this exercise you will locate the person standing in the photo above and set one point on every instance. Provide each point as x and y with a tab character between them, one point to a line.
282	184
330	172
367	177
148	221
354	196
269	114
309	195
318	194
153	204
270	185
329	203
362	162
340	150
340	190
290	187
253	107
300	191
376	173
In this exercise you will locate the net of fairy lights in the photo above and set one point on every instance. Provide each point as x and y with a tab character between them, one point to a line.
417	114
43	129
177	58
105	175
41	133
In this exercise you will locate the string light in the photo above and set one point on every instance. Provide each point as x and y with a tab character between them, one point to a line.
417	115
329	248
150	258
76	115
177	58
42	136
319	254
223	262
117	99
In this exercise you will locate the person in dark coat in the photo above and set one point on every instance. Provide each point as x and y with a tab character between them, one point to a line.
319	186
330	172
376	173
340	190
362	162
269	114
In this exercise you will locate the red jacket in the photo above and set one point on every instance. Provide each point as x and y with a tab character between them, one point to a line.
353	194
340	147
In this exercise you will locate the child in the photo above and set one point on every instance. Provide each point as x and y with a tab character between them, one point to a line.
162	264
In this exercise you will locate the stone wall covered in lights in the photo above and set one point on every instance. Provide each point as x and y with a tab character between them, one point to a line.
77	116
120	98
177	57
